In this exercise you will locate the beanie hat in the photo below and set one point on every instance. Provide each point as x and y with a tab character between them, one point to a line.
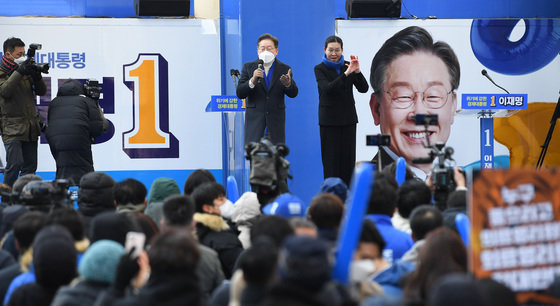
335	186
304	261
54	257
286	205
96	191
162	188
99	263
111	226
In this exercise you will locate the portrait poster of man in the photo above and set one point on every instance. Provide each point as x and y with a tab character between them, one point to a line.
404	87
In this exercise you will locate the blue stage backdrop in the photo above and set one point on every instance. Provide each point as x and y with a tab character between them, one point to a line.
301	28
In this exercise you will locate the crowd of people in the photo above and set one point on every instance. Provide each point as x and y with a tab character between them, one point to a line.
124	244
203	249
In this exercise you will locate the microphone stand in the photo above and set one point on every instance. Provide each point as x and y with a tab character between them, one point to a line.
235	75
544	147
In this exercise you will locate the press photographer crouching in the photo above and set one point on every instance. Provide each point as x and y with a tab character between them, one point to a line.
20	82
74	120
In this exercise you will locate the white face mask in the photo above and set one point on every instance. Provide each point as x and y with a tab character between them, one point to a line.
361	270
20	60
227	209
267	57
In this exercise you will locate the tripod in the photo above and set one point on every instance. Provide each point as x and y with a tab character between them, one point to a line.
544	147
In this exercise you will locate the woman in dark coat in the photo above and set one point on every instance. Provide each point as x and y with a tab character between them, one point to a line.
336	79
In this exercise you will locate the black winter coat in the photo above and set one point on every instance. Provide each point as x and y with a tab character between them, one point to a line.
82	294
73	120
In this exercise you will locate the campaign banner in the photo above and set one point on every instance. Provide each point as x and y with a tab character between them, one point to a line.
226	104
520	55
493	101
150	72
515	232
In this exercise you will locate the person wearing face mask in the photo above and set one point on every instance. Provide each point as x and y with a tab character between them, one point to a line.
212	229
336	79
263	84
20	122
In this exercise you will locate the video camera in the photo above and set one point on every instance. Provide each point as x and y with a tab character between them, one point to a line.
41	195
442	170
378	140
36	67
269	169
92	89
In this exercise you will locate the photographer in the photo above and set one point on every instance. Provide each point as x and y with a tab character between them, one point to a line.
74	119
20	82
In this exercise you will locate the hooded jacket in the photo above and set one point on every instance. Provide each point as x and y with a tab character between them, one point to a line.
161	188
73	120
19	119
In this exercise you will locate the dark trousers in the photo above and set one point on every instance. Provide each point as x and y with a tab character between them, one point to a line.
338	151
21	158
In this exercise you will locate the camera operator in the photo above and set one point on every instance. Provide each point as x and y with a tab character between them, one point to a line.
20	82
74	119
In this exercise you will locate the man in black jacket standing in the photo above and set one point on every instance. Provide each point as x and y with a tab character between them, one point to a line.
263	83
73	121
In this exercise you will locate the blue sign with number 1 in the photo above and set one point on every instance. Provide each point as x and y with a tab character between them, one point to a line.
486	143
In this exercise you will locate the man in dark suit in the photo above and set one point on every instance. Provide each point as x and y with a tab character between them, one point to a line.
263	84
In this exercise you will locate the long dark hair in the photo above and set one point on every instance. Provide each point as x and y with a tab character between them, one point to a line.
442	254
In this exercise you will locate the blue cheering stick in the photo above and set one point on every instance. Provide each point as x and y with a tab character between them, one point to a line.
463	227
351	228
232	191
400	173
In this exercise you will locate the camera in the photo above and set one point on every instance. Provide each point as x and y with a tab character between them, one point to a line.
45	195
426	119
92	89
40	68
269	169
378	140
442	170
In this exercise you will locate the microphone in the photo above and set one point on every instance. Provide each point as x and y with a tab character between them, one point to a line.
261	62
485	73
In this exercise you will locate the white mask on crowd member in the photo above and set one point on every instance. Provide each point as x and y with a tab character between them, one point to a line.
227	209
267	57
20	60
361	270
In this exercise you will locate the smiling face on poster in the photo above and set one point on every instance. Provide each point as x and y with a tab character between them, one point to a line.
478	46
411	74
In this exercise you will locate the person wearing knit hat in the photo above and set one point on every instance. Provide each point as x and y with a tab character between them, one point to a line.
304	269
20	84
95	195
54	263
336	186
173	257
97	271
161	188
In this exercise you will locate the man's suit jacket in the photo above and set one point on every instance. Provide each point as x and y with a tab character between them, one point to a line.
265	107
336	96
